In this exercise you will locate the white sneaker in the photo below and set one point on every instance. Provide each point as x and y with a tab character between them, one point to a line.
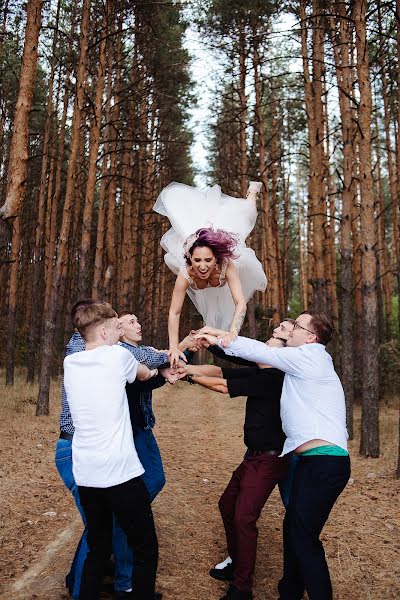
224	563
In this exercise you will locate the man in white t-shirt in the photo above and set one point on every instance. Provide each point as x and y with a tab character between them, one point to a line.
313	417
106	467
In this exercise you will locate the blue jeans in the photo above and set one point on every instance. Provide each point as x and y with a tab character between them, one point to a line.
154	480
63	461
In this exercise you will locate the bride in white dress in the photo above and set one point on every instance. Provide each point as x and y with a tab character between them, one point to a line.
206	249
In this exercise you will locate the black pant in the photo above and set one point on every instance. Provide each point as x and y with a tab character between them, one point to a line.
130	503
318	482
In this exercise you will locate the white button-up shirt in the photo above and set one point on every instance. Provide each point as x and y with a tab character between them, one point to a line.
312	401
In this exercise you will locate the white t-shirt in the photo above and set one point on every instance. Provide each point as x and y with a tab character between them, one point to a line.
312	402
103	451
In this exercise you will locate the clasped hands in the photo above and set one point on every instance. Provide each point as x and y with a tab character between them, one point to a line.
196	339
209	336
174	374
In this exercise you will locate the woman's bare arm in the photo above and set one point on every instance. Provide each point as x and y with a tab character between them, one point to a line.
175	309
232	278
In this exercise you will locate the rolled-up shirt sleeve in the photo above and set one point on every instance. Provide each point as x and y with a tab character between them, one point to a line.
288	360
153	359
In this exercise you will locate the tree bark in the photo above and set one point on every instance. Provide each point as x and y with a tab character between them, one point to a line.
39	233
315	126
42	407
19	150
12	301
268	239
341	46
109	273
94	143
370	383
389	154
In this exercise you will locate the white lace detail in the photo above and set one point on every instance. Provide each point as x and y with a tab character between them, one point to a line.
222	277
188	278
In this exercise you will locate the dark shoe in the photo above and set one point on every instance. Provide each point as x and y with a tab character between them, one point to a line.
127	595
225	574
235	594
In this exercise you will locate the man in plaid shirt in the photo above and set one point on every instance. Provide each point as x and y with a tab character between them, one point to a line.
143	420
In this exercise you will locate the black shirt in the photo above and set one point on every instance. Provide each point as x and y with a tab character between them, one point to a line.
262	426
133	393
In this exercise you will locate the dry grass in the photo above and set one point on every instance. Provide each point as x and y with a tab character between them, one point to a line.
200	434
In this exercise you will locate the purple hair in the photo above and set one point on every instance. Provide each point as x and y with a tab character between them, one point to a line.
220	242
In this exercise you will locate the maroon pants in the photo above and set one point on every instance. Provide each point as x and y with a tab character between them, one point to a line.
240	506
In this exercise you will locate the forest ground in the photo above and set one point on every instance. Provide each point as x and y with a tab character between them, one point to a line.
200	435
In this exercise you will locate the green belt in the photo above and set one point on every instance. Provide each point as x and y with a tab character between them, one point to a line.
325	451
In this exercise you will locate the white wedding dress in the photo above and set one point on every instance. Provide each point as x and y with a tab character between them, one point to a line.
189	209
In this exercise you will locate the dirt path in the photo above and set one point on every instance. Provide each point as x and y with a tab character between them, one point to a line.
200	435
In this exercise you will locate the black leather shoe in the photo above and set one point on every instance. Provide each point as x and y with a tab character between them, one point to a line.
225	574
235	594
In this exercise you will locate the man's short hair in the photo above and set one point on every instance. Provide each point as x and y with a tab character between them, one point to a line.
322	326
91	315
82	303
123	313
289	320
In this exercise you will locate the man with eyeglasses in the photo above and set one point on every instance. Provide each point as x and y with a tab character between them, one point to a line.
314	420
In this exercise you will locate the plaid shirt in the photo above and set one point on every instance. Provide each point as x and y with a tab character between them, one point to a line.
143	354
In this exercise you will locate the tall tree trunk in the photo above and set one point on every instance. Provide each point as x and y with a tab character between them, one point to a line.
330	225
53	195
396	207
243	178
315	126
94	143
38	247
381	255
12	301
268	240
370	384
389	154
276	261
101	221
19	149
341	47
285	247
398	190
42	407
302	259
112	187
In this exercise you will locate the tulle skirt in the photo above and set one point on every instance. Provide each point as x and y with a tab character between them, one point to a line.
189	209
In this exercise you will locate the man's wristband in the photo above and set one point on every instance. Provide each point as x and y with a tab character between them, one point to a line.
189	379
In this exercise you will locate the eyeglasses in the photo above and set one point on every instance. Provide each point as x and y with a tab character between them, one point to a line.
298	326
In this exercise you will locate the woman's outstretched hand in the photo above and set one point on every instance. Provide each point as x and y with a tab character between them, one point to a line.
211	340
212	331
174	355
